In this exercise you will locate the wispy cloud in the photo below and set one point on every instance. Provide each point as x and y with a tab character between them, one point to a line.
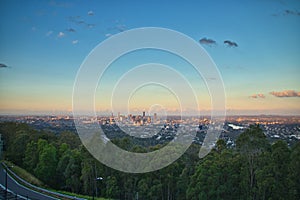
207	41
3	66
71	30
121	27
118	27
286	93
230	43
291	12
75	41
90	25
91	13
59	4
255	96
287	12
77	20
61	34
49	33
74	18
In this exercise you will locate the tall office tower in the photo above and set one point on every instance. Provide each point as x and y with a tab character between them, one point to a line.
149	119
144	114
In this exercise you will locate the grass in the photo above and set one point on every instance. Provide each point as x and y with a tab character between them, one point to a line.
22	173
78	195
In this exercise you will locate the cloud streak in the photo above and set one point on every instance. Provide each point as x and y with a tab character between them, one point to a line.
291	12
59	4
90	13
60	34
90	25
286	93
49	33
71	30
3	66
118	28
207	41
256	96
121	27
230	43
287	12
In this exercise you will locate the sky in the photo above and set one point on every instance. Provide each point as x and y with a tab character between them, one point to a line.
254	44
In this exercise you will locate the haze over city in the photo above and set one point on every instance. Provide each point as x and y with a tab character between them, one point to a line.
254	44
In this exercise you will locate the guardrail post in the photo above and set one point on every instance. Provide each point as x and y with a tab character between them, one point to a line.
5	181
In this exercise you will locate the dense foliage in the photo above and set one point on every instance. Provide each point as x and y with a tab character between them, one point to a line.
254	169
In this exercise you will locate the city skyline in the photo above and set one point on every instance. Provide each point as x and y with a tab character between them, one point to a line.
254	44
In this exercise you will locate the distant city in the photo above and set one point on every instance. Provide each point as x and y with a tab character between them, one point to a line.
275	127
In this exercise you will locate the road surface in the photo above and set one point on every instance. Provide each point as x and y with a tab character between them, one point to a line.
19	189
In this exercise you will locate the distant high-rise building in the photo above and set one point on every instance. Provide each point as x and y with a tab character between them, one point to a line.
144	114
155	117
149	119
129	117
111	120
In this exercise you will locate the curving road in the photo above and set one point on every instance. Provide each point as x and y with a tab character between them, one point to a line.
19	189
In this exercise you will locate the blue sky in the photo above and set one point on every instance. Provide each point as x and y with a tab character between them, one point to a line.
43	43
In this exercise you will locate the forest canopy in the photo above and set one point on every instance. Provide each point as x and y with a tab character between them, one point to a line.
253	169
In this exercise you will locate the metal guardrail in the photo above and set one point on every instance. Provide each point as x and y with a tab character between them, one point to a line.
7	194
39	189
10	194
